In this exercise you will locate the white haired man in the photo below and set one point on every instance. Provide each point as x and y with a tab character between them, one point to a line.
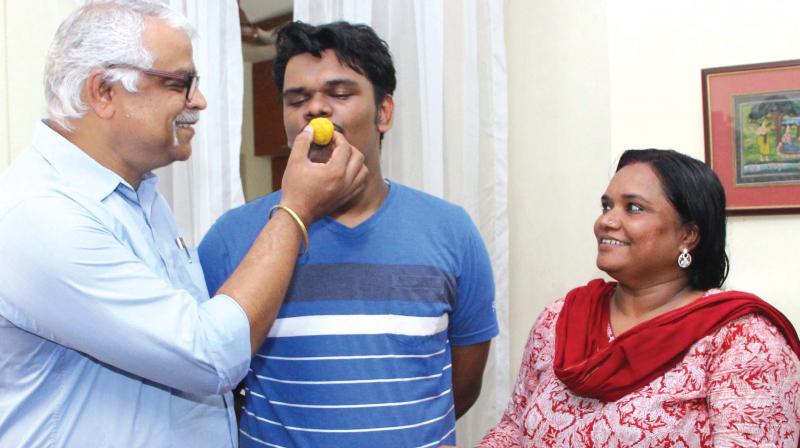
108	336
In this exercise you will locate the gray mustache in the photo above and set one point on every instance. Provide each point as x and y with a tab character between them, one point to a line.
187	117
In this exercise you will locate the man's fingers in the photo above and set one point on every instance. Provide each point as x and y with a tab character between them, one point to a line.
302	142
358	186
361	178
354	164
342	151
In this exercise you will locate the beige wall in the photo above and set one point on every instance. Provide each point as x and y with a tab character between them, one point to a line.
559	150
5	157
656	54
26	29
588	79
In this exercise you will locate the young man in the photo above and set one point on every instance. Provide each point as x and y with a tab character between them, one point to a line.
383	335
108	336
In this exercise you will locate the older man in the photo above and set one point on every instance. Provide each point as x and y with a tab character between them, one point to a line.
108	336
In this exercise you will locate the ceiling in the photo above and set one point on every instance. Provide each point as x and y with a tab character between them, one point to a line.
258	10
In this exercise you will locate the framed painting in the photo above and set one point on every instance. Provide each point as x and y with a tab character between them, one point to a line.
751	116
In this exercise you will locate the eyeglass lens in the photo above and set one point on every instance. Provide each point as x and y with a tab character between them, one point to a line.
192	87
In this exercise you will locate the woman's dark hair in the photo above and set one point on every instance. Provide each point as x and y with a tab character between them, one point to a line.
697	195
356	46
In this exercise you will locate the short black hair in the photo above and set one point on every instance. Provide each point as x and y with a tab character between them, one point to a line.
356	46
697	195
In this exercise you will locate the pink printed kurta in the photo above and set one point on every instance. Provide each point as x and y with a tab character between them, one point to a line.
739	387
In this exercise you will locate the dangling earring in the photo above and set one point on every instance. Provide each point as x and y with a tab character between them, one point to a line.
684	259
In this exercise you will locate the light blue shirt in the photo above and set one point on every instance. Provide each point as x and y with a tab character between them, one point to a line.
107	333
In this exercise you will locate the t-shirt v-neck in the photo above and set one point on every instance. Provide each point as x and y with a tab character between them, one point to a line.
335	226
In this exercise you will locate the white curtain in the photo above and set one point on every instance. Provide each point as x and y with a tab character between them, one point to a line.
199	190
450	132
209	184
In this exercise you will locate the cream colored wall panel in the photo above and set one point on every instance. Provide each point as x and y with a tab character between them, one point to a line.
558	151
5	152
656	52
590	79
30	26
764	253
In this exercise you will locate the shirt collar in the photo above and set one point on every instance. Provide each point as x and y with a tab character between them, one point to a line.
77	169
147	192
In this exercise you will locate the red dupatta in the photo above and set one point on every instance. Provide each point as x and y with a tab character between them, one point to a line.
593	367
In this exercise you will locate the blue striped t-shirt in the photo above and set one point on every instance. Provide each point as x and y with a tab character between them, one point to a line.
360	352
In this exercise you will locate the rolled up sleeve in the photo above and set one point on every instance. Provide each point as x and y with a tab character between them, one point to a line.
226	323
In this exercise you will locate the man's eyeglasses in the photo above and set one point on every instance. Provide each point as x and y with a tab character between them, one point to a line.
189	80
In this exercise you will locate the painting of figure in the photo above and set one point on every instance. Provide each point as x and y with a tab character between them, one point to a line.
766	134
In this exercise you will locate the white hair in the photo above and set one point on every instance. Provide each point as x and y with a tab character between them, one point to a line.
97	35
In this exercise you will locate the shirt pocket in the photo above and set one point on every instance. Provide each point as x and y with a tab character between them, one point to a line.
427	302
195	271
186	272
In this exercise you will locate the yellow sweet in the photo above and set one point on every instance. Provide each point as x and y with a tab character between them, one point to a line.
323	130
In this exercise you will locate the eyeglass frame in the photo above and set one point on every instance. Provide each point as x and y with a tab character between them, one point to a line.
190	80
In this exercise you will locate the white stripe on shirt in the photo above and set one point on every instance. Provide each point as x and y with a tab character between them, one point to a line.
387	428
256	439
348	406
438	442
376	380
346	358
358	324
366	381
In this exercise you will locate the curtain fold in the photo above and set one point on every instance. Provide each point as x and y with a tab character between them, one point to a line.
450	133
207	185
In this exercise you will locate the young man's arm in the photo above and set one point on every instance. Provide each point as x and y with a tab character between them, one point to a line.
468	362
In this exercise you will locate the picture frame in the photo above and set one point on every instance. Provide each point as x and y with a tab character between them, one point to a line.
751	117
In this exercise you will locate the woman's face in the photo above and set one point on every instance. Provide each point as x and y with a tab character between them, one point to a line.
639	233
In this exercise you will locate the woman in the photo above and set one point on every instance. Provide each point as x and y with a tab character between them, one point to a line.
660	357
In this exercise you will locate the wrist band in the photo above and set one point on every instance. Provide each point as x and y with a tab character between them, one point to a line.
296	219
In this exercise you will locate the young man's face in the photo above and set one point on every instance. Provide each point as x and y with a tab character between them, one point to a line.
323	87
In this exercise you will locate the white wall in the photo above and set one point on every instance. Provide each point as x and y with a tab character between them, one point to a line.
589	79
656	52
5	156
559	143
26	29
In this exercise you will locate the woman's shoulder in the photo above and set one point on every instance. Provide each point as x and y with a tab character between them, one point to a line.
544	327
752	326
751	337
549	315
541	337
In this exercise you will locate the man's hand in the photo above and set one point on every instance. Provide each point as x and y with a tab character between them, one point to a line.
313	190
